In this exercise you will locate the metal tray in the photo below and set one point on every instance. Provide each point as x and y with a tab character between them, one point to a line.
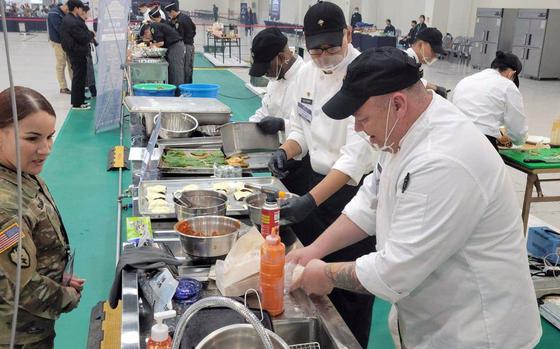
234	208
246	137
192	142
256	161
208	111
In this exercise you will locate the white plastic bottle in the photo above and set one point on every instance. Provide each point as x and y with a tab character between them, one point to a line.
159	338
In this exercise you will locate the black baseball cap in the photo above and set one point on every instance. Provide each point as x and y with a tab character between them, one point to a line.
266	45
508	60
433	37
154	13
323	24
171	7
377	71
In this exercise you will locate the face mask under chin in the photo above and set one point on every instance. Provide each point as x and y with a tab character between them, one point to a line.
425	60
328	62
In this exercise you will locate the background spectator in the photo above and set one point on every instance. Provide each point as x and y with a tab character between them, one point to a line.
54	21
75	39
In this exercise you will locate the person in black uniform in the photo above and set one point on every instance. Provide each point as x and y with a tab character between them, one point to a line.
185	26
75	38
356	17
165	36
409	38
389	28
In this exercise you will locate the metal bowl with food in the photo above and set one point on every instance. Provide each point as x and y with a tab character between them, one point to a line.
194	203
208	236
255	202
177	125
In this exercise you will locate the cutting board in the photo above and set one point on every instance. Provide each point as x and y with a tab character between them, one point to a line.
549	158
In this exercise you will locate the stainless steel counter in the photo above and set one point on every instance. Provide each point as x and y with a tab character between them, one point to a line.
305	319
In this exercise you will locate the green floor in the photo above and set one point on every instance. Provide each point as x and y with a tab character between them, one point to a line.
86	195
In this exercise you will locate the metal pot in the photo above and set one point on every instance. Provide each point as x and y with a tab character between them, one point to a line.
255	202
202	203
239	336
177	125
210	246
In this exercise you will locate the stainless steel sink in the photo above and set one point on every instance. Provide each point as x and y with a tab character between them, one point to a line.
299	331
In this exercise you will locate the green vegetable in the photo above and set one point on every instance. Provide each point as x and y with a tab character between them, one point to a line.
193	159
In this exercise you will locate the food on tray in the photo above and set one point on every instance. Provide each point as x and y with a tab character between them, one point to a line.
238	160
157	201
188	187
239	195
194	159
185	228
157	189
221	187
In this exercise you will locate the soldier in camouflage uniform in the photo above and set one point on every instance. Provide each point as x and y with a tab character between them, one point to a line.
44	256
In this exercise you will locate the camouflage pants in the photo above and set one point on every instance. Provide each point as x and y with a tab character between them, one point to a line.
47	343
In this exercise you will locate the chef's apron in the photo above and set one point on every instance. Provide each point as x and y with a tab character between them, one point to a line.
355	309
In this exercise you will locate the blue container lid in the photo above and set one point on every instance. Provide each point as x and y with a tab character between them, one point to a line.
188	290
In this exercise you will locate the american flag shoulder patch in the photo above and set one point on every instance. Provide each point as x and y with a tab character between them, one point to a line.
9	237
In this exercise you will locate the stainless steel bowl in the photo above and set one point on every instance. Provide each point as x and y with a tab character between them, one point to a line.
202	203
177	125
210	246
255	202
239	336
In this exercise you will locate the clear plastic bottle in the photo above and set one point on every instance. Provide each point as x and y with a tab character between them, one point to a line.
271	277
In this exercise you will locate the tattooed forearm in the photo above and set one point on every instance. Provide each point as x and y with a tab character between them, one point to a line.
343	275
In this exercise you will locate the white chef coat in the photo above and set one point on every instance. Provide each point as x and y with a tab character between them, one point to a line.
331	144
450	249
491	100
409	51
279	97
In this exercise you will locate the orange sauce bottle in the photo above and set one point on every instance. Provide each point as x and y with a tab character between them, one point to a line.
271	277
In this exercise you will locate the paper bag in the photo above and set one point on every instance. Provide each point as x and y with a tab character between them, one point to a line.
240	270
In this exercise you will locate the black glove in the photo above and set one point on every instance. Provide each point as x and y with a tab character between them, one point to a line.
271	125
442	91
277	164
296	209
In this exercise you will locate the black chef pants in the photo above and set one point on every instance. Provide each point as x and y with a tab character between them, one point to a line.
79	75
355	309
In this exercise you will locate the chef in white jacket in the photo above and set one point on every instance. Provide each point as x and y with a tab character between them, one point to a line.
339	157
491	99
427	44
450	253
273	58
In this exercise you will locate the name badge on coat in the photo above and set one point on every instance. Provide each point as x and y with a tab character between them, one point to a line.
304	109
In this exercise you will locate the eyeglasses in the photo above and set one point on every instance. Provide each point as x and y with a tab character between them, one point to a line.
319	51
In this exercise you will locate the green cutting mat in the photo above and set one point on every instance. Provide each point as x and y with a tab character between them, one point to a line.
518	155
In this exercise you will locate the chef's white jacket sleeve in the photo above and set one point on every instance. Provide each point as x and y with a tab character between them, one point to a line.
430	222
262	112
514	118
356	156
296	131
361	209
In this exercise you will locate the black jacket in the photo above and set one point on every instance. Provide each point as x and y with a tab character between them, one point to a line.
75	36
164	32
185	26
356	18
